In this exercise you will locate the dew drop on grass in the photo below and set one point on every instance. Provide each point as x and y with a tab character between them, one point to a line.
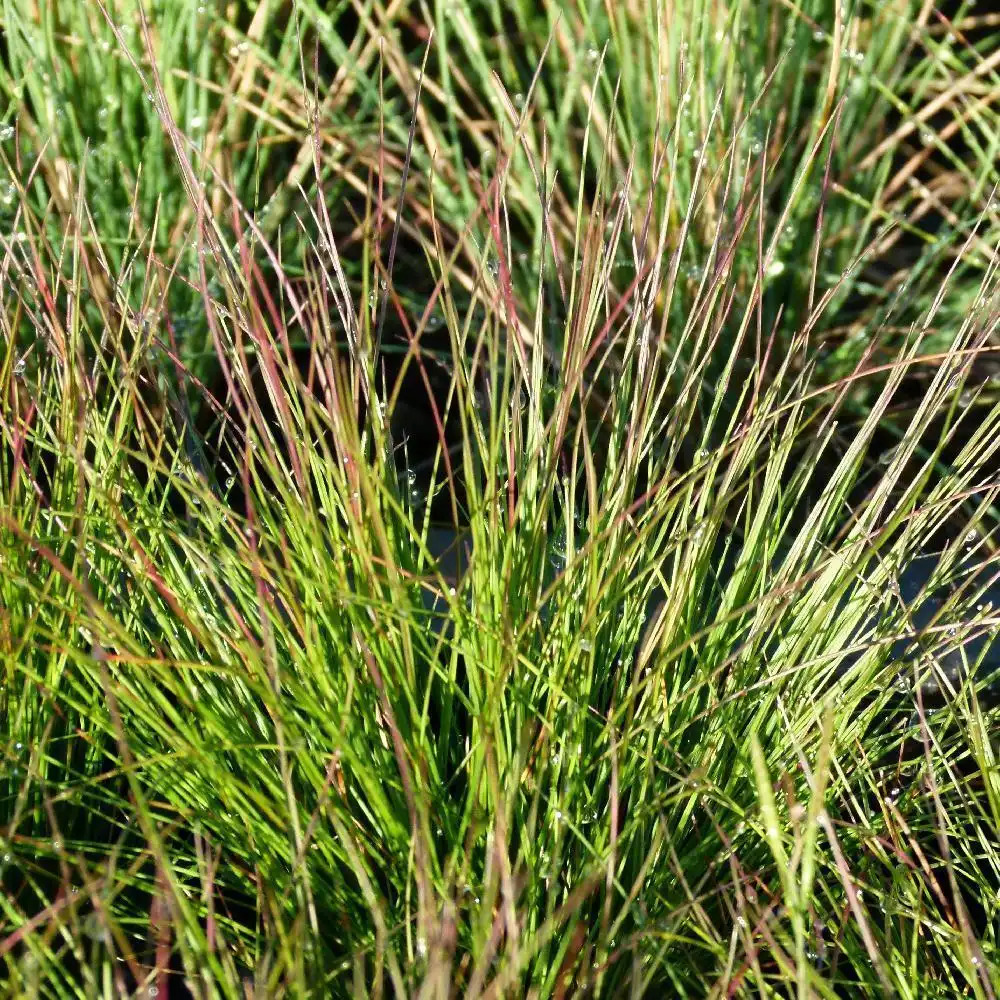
585	645
6	132
19	367
927	137
887	456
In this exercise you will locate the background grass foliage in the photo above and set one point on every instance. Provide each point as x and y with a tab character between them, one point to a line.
499	500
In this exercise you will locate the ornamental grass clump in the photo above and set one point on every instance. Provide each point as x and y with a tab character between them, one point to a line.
565	574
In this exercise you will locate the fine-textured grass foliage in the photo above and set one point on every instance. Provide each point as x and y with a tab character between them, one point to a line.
462	542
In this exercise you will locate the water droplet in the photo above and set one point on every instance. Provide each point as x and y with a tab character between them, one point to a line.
819	34
19	367
585	645
6	132
775	268
519	100
887	456
197	122
927	137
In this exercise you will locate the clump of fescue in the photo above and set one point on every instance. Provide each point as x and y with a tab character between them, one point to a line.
668	729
